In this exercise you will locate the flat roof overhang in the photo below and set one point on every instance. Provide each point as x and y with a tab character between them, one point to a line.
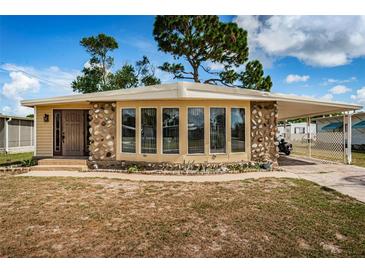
289	106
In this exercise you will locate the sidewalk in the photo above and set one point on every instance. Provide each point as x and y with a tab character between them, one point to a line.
163	178
349	180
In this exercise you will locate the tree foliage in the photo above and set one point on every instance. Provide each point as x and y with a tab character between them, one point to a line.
204	40
253	77
97	75
142	74
99	47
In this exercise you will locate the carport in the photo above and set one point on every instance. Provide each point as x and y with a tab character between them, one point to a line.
332	145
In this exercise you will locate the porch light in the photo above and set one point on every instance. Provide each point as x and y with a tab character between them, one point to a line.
46	118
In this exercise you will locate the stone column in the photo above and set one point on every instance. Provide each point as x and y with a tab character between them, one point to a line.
263	132
102	131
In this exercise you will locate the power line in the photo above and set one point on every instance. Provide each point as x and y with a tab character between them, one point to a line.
45	81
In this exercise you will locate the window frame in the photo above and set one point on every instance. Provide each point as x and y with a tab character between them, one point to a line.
55	113
161	130
226	135
187	131
230	129
299	129
121	130
140	130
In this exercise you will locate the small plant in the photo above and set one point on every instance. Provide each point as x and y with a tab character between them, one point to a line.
28	162
133	169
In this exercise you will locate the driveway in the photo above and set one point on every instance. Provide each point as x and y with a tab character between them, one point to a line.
347	179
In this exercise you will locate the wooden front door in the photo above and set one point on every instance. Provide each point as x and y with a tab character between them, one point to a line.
73	133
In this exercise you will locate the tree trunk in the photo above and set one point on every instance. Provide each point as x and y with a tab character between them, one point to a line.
196	74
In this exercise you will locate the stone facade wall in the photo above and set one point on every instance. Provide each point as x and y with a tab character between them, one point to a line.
102	131
264	117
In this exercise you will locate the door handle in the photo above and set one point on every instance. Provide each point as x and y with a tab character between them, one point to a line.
63	137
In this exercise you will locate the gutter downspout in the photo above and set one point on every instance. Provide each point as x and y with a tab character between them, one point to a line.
7	120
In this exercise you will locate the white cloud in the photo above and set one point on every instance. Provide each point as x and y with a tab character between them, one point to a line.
327	97
331	81
53	77
25	81
19	83
252	25
316	40
6	110
339	89
360	96
292	78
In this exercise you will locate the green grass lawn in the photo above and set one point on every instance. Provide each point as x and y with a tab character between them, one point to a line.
358	158
95	217
8	159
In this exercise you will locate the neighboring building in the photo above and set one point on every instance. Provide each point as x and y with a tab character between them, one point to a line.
16	134
295	131
169	123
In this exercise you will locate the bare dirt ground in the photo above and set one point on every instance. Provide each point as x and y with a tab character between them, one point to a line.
86	217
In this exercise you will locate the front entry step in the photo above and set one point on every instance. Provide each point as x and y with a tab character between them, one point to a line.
60	167
61	162
55	164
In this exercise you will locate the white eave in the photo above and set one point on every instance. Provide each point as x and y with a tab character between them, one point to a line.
289	106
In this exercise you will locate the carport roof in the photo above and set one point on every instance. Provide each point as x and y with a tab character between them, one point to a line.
359	125
289	106
332	126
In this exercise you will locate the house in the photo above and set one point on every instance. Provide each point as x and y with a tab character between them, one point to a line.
336	124
169	123
16	134
296	131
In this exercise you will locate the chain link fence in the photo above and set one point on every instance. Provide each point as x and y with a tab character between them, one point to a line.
327	146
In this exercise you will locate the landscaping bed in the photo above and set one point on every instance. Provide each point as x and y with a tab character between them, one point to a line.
185	168
95	217
16	163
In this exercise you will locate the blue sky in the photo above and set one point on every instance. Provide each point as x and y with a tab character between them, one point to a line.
321	57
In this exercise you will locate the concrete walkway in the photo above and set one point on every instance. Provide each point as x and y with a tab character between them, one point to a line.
162	178
347	179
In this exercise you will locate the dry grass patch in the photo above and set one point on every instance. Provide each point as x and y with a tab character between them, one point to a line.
78	217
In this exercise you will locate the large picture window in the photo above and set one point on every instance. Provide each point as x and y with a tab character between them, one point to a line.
195	130
170	128
217	130
148	130
238	129
129	130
